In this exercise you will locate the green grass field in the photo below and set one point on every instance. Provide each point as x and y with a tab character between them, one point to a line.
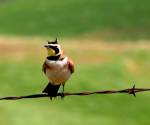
68	18
110	69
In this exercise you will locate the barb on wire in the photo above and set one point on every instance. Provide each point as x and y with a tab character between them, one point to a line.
132	91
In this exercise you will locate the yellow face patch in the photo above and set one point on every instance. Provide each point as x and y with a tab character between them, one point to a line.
51	52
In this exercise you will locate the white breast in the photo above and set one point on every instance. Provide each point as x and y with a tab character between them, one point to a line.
58	73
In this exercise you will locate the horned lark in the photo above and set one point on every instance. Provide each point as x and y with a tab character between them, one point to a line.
57	67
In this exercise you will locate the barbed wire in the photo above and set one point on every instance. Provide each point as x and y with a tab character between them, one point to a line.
131	91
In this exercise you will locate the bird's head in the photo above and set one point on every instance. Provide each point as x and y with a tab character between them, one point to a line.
53	48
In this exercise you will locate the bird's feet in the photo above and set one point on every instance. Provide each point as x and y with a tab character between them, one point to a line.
62	95
52	96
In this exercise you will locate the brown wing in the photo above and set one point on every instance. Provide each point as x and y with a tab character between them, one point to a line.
45	66
71	66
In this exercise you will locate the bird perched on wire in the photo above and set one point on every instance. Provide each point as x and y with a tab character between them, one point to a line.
57	67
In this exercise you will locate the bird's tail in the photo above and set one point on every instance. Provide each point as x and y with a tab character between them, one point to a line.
51	90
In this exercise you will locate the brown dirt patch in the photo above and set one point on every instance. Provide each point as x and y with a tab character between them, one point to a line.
81	50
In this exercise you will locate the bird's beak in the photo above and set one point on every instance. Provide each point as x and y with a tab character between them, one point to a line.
46	46
50	51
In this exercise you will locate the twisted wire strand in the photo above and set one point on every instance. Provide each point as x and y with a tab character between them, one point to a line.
131	91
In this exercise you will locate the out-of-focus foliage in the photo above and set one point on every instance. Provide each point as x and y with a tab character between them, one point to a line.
106	18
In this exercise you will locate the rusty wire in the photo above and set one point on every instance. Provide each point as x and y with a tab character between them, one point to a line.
131	91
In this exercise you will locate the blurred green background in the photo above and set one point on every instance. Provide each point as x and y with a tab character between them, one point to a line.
107	18
109	43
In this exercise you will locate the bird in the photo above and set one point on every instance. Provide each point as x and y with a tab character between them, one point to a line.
57	67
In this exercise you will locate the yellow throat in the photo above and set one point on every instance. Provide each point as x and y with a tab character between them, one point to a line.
50	52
